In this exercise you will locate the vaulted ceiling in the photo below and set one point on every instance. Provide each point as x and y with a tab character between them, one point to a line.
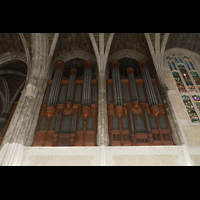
81	41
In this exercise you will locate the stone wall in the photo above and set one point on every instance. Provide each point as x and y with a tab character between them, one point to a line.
107	156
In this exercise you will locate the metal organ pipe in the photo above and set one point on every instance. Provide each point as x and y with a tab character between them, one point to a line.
131	122
131	77
72	80
55	88
118	100
117	86
87	84
149	87
114	87
149	82
120	88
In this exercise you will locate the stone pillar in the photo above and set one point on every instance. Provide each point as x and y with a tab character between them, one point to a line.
20	132
102	136
3	120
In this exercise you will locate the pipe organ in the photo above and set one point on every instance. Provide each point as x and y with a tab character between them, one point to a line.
68	115
136	114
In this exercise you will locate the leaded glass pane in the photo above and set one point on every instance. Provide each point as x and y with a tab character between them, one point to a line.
170	66
169	58
190	109
174	65
176	60
197	100
187	65
196	78
179	83
191	65
187	79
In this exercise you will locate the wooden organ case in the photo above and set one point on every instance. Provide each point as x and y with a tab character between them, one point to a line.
68	115
136	115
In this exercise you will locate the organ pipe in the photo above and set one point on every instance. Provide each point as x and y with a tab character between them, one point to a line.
131	122
56	84
72	80
148	84
118	100
147	122
73	123
157	93
152	92
131	78
87	85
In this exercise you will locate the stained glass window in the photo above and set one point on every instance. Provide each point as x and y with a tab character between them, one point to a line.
197	101
196	78
190	109
179	83
187	79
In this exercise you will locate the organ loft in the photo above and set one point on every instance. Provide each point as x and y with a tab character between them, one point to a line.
136	115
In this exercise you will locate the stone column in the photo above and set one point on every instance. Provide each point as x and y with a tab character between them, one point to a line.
102	136
20	132
3	120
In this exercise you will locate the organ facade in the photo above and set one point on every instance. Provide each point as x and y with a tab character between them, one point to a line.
68	115
136	115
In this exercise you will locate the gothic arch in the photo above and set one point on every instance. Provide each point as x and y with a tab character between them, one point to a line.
71	55
125	53
11	57
183	51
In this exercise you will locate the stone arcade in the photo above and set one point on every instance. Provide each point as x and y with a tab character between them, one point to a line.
99	99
